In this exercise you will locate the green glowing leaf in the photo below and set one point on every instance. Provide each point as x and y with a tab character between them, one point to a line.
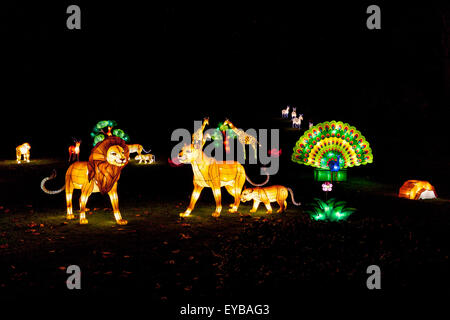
330	210
99	138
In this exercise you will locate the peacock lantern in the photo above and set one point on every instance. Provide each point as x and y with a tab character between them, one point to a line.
332	147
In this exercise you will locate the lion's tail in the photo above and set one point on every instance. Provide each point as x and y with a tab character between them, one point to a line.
292	197
52	176
255	184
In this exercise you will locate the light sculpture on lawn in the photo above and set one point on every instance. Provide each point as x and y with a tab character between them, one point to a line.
23	151
100	174
332	146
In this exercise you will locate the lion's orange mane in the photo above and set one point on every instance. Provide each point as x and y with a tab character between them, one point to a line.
104	173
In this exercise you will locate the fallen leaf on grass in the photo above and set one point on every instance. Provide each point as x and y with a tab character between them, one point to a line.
185	236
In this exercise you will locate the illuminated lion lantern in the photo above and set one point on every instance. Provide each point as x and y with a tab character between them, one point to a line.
23	150
100	174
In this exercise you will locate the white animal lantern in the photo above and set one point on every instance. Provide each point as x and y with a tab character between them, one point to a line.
297	122
285	112
294	113
146	158
23	150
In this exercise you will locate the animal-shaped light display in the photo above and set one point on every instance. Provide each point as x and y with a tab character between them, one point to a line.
297	122
311	124
267	195
285	112
417	190
332	142
146	158
210	173
294	113
137	148
243	138
198	140
75	150
100	174
23	150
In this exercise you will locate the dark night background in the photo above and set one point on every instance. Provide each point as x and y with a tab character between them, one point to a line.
157	67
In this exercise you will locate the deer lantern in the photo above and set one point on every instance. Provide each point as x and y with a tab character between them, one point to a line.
75	150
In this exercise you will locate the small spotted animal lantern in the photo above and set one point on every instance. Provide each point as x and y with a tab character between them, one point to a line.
417	190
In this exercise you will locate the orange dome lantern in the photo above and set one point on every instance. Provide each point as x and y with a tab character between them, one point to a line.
417	190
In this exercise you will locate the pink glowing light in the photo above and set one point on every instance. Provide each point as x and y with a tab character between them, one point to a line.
174	162
274	152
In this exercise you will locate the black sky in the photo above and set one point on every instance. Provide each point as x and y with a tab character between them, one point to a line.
159	66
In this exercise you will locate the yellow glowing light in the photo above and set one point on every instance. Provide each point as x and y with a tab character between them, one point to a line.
23	150
213	174
198	139
417	189
267	195
146	158
100	174
243	138
210	173
135	148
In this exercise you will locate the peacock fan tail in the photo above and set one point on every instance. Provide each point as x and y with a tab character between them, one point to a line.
330	141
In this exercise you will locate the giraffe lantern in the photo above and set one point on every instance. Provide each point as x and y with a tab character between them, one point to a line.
243	138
